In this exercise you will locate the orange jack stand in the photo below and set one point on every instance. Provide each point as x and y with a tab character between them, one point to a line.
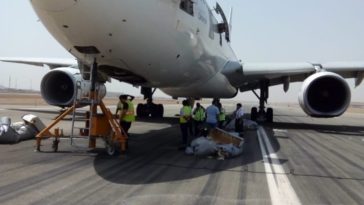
102	126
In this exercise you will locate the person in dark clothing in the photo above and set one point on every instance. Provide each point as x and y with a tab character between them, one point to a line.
239	113
199	116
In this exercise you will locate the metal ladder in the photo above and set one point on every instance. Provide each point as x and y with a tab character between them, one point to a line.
79	103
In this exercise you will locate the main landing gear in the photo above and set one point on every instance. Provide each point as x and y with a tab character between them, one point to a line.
262	115
149	109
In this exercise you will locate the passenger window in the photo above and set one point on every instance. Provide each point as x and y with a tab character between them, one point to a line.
187	6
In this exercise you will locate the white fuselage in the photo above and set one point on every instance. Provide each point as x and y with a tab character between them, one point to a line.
179	53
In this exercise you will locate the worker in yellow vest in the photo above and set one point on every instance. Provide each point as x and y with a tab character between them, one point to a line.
199	116
125	111
222	116
185	121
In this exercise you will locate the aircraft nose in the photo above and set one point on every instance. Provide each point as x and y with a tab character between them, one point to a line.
53	5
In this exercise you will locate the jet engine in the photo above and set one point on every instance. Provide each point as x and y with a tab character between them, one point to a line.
61	86
325	94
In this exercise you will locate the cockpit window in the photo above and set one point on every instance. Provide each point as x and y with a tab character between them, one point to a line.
224	26
187	6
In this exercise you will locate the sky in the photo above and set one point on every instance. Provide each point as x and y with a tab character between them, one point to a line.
263	31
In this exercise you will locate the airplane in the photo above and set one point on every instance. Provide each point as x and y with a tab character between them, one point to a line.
182	47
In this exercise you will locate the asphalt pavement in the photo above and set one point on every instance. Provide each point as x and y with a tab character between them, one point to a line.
295	160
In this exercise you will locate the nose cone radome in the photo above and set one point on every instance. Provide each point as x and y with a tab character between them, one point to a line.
53	5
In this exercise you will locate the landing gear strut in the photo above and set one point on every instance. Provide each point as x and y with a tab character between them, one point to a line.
262	115
149	109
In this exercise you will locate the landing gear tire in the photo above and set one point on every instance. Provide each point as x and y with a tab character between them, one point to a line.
150	110
254	114
157	111
262	115
141	110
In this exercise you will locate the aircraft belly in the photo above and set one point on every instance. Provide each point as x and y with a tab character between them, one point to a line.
154	43
216	87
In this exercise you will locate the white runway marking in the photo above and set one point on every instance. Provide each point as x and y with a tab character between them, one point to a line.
280	188
280	130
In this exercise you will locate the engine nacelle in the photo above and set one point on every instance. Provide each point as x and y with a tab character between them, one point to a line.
325	94
59	87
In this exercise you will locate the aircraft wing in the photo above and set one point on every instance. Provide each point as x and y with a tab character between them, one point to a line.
251	74
51	63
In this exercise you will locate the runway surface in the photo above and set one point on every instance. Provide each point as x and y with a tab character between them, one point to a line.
296	160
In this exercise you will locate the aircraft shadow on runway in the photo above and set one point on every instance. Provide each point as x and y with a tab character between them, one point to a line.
167	120
323	128
154	158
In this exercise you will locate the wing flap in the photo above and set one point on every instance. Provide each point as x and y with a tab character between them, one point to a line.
276	69
343	66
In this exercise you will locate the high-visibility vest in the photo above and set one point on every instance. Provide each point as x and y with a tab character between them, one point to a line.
199	115
222	115
186	113
129	115
119	107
